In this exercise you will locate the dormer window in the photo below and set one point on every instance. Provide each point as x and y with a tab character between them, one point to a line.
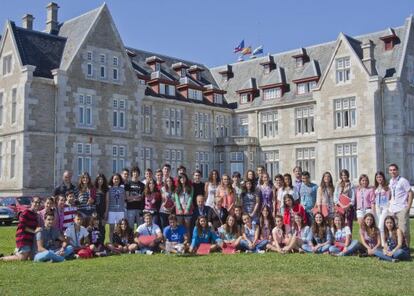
154	62
272	93
245	98
157	67
390	39
266	68
183	72
195	72
299	62
306	87
301	58
218	99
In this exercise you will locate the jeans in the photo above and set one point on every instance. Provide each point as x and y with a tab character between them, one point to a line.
309	217
52	255
261	245
308	248
244	245
134	216
400	254
352	248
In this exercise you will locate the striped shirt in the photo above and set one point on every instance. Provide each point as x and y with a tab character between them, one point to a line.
27	219
69	213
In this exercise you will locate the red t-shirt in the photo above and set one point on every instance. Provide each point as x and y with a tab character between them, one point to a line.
27	219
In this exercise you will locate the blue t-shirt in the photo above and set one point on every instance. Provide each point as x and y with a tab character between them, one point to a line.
175	235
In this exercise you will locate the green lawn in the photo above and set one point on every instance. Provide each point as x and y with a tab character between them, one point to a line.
241	274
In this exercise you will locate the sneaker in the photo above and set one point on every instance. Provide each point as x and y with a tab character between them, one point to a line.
248	251
395	260
138	252
149	252
261	251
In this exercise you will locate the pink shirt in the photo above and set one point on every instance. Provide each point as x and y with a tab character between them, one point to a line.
227	198
365	197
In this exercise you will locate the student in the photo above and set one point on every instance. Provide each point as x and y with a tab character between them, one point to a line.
199	187
25	233
249	234
278	194
347	189
265	192
176	239
369	235
122	240
237	188
183	197
86	196
152	198
259	171
324	198
307	195
49	207
158	179
101	186
217	215
395	246
343	244
78	237
300	233
238	212
148	236
280	236
250	200
264	235
115	203
290	209
96	237
180	170
382	200
230	233
51	245
70	210
211	187
297	172
226	192
60	212
200	210
364	198
125	178
288	189
135	201
251	176
148	175
319	239
166	171
204	234
167	201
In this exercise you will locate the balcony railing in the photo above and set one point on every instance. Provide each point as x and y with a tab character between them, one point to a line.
237	140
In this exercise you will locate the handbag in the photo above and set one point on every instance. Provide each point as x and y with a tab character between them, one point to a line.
203	249
146	240
228	249
345	201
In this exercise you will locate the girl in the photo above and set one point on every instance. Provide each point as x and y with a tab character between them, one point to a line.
345	190
249	234
183	197
324	197
364	198
369	235
86	196
382	198
49	207
101	196
211	187
343	244
251	176
96	237
237	188
278	194
203	234
320	237
250	200
264	235
152	199
167	201
226	192
300	233
217	215
122	240
288	187
291	209
229	232
280	235
265	192
115	202
395	246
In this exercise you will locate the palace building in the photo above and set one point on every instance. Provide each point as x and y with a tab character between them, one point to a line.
75	97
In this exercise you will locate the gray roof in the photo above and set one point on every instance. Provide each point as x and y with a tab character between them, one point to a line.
310	69
277	76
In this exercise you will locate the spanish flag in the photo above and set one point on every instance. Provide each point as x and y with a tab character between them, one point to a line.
246	50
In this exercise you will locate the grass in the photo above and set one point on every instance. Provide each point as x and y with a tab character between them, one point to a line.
216	274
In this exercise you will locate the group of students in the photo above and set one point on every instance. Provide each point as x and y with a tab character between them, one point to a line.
227	214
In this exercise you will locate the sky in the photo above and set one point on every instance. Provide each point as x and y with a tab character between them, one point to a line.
207	31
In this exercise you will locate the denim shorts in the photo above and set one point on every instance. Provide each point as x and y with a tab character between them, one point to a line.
22	250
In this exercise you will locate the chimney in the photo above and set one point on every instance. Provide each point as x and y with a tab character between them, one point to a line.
52	18
368	57
28	21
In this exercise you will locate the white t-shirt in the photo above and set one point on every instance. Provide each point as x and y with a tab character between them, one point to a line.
75	236
341	234
143	229
399	194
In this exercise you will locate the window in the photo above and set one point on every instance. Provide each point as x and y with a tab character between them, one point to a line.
236	162
202	125
271	161
90	70
305	87
272	93
269	124
343	69
166	89
202	160
222	126
119	113
183	72
102	72
218	98
141	82
102	58
115	74
118	158
172	122
345	113
84	152
12	158
115	62
410	111
7	64
304	118
1	159
195	94
146	119
1	109
14	105
220	157
347	158
146	158
173	157
157	66
244	98
243	124
305	158
85	110
298	62
89	56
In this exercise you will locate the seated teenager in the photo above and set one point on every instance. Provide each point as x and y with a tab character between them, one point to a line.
343	244
148	235
280	236
320	237
290	209
217	215
264	235
78	237
96	237
230	233
300	232
176	239
51	244
249	233
238	213
369	235
122	239
203	234
201	209
395	246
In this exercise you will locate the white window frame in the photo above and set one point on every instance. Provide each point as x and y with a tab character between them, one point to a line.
102	58
243	123
272	93
7	64
13	116
237	162
174	157
218	98
119	108
84	158
345	113
202	125
305	158
304	120
343	70
269	124
222	124
1	108
146	119
244	98
202	163
89	70
89	56
305	87
119	155
346	157
102	67
173	118
115	74
195	94
12	159
85	114
146	158
271	162
115	61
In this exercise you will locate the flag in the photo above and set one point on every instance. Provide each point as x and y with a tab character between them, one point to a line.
246	50
240	59
258	50
239	47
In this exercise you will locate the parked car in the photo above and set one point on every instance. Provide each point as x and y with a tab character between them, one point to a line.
7	215
17	204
